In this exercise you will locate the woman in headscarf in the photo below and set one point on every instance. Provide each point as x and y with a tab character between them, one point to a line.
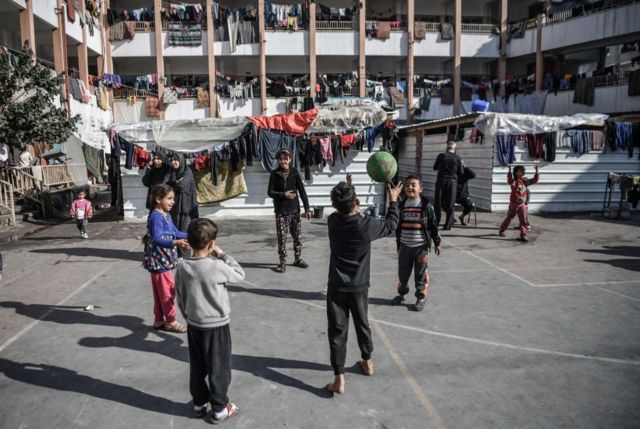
185	206
157	173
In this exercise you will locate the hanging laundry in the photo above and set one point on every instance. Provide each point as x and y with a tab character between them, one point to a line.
184	34
584	92
202	98
230	185
384	30
270	143
505	149
446	31
153	106
327	152
420	31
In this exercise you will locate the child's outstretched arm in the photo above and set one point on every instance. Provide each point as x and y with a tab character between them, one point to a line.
510	176
535	178
379	229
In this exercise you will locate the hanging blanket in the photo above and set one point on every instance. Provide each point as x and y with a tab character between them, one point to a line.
185	34
230	185
153	106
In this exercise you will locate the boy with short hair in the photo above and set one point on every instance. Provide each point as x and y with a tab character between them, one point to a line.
350	237
82	211
203	301
417	229
285	184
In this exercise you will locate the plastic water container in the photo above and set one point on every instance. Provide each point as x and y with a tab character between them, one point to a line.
479	106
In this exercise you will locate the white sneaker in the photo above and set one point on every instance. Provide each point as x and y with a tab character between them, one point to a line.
85	235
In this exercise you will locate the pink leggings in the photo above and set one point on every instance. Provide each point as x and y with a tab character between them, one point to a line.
521	211
164	295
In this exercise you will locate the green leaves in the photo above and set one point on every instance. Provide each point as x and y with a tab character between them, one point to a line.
27	110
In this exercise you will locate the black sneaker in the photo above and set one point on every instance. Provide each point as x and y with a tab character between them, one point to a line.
200	412
419	305
397	300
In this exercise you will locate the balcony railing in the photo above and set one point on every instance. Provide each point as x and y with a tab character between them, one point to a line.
125	93
478	28
336	25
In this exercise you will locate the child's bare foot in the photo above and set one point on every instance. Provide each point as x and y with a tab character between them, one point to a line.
337	386
367	366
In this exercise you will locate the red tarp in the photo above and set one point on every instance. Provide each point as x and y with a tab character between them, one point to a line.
292	123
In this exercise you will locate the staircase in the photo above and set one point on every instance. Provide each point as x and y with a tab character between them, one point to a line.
22	186
7	204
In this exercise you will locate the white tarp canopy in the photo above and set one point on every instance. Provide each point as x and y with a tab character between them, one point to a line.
188	135
347	118
492	124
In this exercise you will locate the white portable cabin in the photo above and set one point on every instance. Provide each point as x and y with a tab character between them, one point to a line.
572	183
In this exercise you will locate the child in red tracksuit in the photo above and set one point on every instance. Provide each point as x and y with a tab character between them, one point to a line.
518	200
82	211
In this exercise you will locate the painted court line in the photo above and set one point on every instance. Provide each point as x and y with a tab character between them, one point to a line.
613	282
493	265
469	339
48	312
411	381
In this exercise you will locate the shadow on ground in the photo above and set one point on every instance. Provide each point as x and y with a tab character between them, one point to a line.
172	346
95	252
631	254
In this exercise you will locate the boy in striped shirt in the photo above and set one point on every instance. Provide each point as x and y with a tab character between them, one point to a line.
416	230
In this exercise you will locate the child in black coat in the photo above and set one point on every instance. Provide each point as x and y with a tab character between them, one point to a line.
285	184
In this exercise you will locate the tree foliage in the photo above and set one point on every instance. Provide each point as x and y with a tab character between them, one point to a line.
27	110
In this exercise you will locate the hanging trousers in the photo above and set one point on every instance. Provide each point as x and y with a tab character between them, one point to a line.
209	361
445	199
339	305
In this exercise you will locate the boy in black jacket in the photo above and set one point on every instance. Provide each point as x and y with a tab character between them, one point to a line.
285	184
350	237
418	227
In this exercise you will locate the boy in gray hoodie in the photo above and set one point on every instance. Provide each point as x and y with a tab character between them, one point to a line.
203	301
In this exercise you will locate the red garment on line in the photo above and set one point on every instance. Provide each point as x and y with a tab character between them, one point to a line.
295	124
141	157
347	140
71	10
202	162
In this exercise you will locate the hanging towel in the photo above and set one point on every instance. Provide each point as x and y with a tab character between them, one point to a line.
129	30
420	30
446	31
384	30
71	10
327	152
185	34
153	106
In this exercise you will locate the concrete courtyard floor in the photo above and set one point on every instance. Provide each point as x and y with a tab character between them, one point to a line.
537	335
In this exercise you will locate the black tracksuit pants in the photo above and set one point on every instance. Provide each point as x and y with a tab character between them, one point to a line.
210	359
339	305
445	199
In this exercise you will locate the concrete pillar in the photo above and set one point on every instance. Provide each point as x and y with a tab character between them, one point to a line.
106	44
27	29
211	61
83	56
157	6
313	69
456	56
263	59
539	56
502	61
410	42
362	37
57	36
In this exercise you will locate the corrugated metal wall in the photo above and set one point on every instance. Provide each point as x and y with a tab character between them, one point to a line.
478	157
257	203
572	183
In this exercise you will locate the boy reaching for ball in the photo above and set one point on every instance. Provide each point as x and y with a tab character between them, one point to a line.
350	237
416	231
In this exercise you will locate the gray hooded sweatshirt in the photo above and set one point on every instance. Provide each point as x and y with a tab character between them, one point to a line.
201	289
